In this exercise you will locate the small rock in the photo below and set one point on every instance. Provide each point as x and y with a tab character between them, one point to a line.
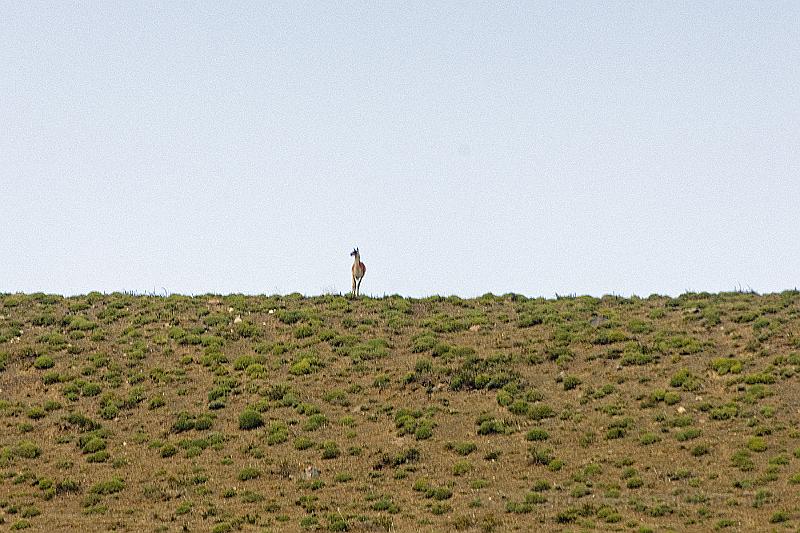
230	309
681	409
237	320
598	321
311	472
271	311
475	327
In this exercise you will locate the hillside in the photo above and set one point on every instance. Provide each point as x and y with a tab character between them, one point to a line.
501	413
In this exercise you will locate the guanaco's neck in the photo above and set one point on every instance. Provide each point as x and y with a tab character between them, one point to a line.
357	259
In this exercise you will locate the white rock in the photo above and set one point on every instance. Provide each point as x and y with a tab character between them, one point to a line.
681	409
311	472
237	320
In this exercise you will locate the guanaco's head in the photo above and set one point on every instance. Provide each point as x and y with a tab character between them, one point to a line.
354	252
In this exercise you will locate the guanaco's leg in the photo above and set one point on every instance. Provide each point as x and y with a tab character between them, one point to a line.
358	287
354	285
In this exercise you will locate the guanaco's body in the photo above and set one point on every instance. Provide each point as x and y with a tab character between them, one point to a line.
358	271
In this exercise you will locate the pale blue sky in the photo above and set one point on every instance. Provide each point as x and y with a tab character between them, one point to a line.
465	147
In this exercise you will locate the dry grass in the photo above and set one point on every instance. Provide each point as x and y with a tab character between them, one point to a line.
163	414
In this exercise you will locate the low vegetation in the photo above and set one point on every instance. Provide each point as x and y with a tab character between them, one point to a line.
498	413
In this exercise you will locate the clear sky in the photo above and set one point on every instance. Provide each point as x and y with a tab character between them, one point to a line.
466	147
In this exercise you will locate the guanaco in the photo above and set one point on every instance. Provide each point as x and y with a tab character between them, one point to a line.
358	271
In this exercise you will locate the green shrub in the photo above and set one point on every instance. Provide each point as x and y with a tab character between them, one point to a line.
742	461
203	422
52	377
156	402
303	443
306	364
67	486
248	473
757	444
36	412
724	412
648	438
30	512
246	330
385	503
528	320
424	430
185	422
303	331
726	365
489	426
94	444
250	419
537	434
688	434
43	362
111	486
79	323
571	382
27	450
257	371
462	448
315	422
634	482
541	412
278	433
330	450
610	337
700	450
288	317
685	380
461	468
505	399
672	398
423	342
761	377
168	450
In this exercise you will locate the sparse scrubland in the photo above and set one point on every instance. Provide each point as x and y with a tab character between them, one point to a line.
499	413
